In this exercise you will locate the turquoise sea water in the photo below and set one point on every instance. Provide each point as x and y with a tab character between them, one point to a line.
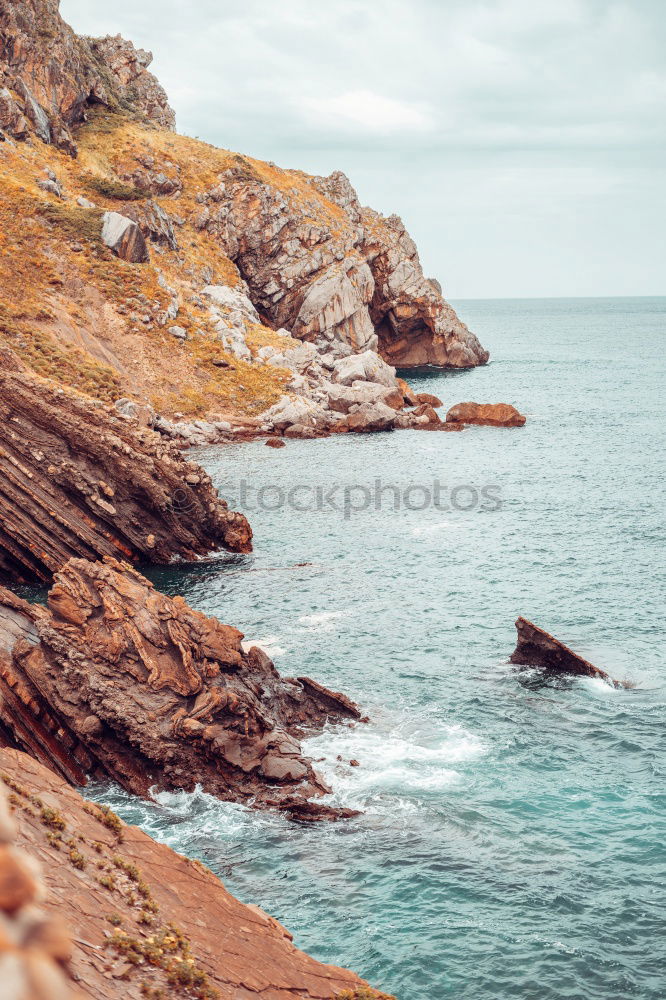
512	837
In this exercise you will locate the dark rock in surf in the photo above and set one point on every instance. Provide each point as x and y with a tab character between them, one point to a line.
537	648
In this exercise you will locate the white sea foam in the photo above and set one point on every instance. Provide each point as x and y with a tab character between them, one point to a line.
394	766
270	645
324	621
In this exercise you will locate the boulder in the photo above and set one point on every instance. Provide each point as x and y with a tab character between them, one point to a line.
117	681
427	397
295	410
143	414
343	397
232	300
538	648
493	414
408	393
371	417
426	410
124	238
153	222
275	443
365	367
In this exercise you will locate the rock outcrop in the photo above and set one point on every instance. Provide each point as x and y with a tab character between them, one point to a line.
537	648
51	76
34	947
77	481
143	920
115	679
493	414
353	277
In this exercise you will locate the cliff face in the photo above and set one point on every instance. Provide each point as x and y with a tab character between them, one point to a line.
116	680
76	480
51	76
297	257
143	921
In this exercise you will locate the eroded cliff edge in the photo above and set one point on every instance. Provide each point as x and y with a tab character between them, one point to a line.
142	921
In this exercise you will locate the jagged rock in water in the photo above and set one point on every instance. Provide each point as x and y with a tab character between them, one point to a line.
77	481
538	648
124	238
118	680
493	414
56	75
140	916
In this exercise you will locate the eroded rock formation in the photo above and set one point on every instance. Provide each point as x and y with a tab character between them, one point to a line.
77	481
143	920
50	75
352	277
537	648
115	679
493	414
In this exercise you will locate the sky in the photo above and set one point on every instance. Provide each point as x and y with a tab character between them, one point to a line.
523	142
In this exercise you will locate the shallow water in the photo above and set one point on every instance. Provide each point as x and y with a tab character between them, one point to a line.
512	841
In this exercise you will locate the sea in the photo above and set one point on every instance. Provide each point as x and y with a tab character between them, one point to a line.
511	842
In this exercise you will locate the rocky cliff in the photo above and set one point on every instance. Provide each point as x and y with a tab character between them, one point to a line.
114	230
130	918
116	680
79	480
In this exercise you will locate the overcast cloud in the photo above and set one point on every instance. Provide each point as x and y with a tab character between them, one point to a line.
522	141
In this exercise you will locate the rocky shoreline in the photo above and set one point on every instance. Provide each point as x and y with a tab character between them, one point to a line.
160	295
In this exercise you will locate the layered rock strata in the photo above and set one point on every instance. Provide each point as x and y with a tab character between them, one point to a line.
77	481
116	680
143	921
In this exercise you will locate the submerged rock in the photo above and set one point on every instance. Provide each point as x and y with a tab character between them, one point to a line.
142	920
75	480
119	681
494	414
540	649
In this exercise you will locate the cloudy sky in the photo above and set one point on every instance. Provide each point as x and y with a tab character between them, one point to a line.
522	141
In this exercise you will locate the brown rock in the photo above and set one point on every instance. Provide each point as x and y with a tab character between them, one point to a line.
426	397
124	238
76	480
494	414
234	949
540	649
408	394
426	410
276	443
119	681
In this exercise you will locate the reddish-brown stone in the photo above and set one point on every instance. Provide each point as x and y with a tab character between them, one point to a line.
494	414
117	680
538	648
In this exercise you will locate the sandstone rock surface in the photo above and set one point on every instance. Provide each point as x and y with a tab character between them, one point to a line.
34	947
493	414
117	680
78	481
538	648
142	917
